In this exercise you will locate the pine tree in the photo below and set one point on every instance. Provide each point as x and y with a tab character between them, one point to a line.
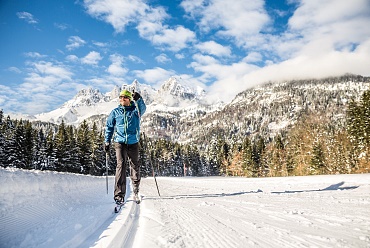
2	139
97	153
60	148
247	157
318	159
50	151
84	147
72	156
40	154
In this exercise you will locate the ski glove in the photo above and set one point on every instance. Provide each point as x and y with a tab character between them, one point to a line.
136	96
106	147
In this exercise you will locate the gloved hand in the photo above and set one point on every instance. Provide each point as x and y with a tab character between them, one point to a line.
136	96
106	147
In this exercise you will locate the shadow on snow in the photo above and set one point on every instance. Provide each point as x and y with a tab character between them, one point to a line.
332	187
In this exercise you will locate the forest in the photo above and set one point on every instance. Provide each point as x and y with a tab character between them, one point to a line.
313	145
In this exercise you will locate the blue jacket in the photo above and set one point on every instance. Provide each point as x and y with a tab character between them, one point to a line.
125	120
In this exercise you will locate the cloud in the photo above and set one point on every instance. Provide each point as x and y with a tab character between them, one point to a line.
179	56
45	83
28	17
14	69
117	13
61	26
35	55
116	68
92	58
46	73
72	58
163	59
173	39
213	48
333	63
252	57
148	20
241	20
155	76
75	42
135	59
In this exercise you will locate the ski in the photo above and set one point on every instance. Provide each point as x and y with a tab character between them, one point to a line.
118	207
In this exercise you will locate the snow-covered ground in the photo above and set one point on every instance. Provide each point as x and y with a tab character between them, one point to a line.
49	209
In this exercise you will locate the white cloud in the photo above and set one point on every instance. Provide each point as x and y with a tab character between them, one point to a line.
333	63
173	39
116	68
116	12
179	56
28	17
75	42
100	44
61	26
155	76
149	21
213	48
35	55
241	20
314	30
14	69
163	59
135	59
46	83
72	58
47	73
252	57
92	58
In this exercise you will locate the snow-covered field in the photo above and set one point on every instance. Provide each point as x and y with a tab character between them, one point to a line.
49	209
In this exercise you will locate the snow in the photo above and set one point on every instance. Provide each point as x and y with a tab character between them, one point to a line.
50	209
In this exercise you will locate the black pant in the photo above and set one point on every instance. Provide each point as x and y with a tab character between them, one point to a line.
123	152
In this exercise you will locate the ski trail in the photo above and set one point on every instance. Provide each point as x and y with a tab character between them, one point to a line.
240	212
122	229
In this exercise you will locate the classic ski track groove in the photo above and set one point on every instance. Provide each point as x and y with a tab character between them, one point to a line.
126	234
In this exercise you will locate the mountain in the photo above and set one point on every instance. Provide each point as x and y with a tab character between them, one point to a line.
178	112
275	107
174	96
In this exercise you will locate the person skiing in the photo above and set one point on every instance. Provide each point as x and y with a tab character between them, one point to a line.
125	121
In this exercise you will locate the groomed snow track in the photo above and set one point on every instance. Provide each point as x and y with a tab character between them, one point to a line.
124	226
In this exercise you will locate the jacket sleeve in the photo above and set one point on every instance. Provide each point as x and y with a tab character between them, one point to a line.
141	106
109	129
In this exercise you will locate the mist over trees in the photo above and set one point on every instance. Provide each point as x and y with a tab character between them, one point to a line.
329	135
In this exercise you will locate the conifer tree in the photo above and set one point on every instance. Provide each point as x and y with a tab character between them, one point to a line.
40	154
9	142
2	139
97	153
247	157
84	147
60	148
318	159
50	151
72	156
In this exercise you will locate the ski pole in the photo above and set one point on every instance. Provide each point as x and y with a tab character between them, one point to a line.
106	173
150	160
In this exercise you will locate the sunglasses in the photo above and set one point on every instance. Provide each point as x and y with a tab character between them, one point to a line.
124	97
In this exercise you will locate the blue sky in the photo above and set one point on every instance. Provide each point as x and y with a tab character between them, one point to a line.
52	49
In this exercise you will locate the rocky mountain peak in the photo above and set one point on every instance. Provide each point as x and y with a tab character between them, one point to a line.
85	97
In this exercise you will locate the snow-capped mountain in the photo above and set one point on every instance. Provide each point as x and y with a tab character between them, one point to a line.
173	93
92	105
85	97
177	111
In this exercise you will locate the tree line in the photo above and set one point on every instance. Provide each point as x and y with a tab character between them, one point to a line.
314	145
65	148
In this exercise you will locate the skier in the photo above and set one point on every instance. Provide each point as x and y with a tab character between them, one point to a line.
125	119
